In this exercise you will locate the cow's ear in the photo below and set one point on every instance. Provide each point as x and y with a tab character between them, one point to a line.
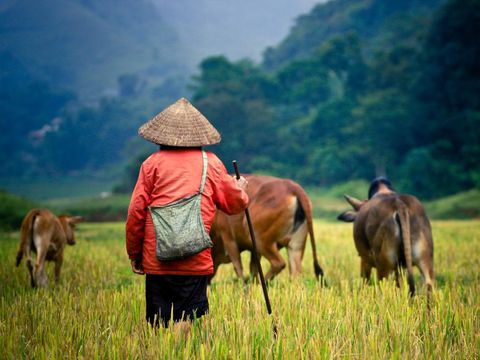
75	219
347	216
356	204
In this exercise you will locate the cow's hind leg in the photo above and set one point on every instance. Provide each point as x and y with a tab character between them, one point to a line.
295	249
233	252
423	259
382	272
39	271
30	271
426	269
397	276
384	267
253	267
29	262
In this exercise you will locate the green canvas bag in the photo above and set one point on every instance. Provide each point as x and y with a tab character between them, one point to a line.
179	228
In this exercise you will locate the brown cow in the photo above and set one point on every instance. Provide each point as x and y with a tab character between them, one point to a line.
281	213
391	230
45	234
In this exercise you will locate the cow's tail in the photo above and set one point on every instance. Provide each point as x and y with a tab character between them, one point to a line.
403	220
26	235
306	205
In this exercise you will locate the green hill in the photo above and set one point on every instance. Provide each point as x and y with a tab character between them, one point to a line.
369	19
464	205
85	45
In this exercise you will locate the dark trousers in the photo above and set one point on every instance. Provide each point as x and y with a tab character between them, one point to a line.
177	297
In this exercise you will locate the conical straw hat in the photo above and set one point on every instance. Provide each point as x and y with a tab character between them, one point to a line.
180	124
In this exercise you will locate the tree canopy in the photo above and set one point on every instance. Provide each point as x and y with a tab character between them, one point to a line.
357	89
408	110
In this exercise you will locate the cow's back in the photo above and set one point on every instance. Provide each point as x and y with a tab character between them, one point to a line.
272	207
48	232
255	182
375	221
378	217
273	210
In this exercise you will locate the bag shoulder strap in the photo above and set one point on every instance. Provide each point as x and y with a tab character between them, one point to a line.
204	171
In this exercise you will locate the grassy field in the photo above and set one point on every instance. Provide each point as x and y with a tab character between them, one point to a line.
97	311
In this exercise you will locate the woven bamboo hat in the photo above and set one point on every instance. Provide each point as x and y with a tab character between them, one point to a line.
180	124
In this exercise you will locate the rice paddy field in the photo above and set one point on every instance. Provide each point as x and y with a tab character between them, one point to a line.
98	309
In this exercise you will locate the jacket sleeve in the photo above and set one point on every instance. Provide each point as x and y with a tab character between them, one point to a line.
228	197
137	213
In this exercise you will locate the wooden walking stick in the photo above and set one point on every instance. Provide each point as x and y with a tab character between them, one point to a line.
257	259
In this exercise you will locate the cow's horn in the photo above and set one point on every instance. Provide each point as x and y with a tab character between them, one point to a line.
356	204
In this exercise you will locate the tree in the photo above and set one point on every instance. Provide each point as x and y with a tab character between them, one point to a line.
234	97
447	87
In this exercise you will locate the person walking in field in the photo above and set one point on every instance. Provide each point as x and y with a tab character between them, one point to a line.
171	211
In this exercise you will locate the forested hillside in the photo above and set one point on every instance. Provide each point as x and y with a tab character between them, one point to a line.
77	78
85	45
347	110
357	89
46	131
376	23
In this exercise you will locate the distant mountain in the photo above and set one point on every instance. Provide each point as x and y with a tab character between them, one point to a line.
85	45
236	29
369	19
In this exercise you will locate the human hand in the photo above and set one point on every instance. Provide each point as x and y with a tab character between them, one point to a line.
137	267
242	183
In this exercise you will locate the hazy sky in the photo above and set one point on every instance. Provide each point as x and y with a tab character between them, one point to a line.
236	28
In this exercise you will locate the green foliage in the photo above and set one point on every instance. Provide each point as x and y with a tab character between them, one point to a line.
303	83
382	124
447	84
368	19
357	89
13	210
234	97
449	59
340	107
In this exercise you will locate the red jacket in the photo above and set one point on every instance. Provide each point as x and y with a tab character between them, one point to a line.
170	175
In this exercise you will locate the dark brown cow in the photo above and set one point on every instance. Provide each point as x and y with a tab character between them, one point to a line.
281	213
391	230
45	234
